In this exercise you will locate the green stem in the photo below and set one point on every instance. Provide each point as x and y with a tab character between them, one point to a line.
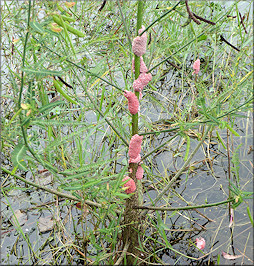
186	207
137	73
24	55
159	132
140	14
137	64
131	232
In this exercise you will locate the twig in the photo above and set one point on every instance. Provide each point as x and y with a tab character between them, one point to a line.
201	214
191	14
184	208
242	23
224	40
175	66
65	83
203	19
44	204
102	6
123	254
192	220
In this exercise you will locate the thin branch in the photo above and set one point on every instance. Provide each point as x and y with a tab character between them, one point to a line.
203	19
184	208
224	40
24	55
242	22
158	132
125	25
190	13
173	65
65	83
102	6
158	147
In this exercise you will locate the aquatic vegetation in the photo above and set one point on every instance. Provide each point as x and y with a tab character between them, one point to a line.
117	184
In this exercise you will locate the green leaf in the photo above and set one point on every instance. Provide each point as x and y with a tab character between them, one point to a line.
121	195
18	155
232	130
37	27
78	184
202	38
72	187
57	86
85	168
220	139
41	72
76	195
250	216
25	121
49	106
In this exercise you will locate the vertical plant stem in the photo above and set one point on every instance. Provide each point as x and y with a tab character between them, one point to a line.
132	216
137	64
24	55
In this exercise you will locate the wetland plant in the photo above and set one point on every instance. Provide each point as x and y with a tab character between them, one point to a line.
72	75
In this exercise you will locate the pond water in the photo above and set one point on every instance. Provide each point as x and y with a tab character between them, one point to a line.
204	182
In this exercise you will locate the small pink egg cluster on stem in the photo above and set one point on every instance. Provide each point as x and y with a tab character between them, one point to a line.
140	172
133	103
135	146
130	185
134	154
144	78
139	43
